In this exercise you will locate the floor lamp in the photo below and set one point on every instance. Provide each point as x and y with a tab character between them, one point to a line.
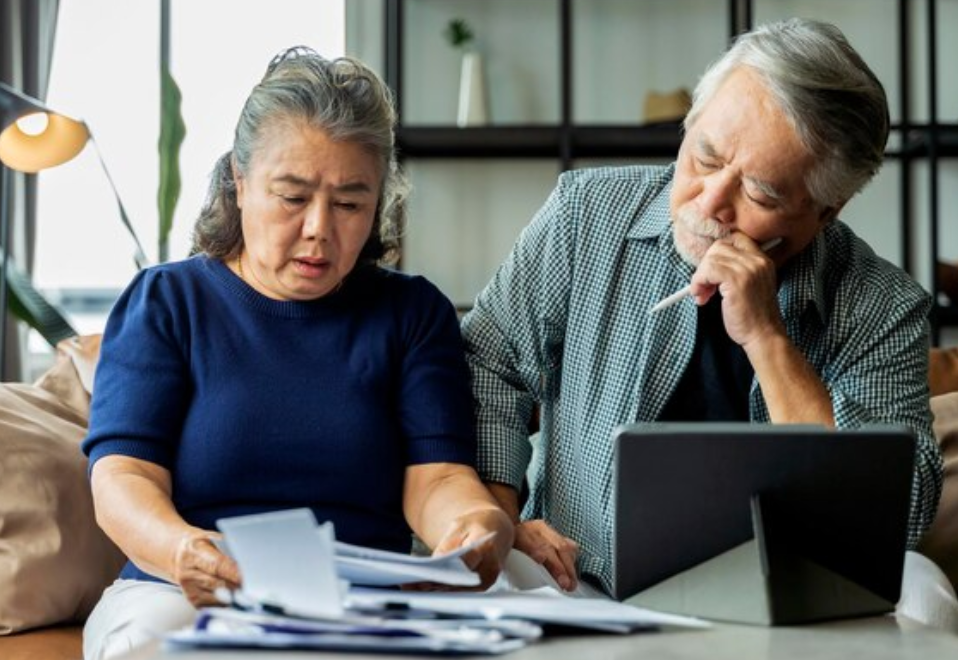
32	138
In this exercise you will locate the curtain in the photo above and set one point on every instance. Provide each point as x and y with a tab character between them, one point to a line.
27	29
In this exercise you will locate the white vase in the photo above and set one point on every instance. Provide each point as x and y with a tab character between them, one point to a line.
473	108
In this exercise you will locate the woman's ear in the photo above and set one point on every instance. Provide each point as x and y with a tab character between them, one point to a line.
238	181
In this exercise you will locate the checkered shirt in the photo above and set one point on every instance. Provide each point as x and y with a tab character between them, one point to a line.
564	324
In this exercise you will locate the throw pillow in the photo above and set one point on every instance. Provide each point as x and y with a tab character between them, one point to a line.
943	370
940	543
54	560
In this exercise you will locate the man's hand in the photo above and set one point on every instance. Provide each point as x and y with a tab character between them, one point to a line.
541	542
200	568
548	547
745	276
487	559
736	268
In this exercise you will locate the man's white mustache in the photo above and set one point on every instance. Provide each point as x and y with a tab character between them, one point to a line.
701	226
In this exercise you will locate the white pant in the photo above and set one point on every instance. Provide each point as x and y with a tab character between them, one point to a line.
131	612
926	594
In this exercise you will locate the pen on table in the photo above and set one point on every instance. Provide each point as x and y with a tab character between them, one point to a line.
668	301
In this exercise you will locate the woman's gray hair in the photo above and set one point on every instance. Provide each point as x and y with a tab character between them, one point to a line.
832	98
343	98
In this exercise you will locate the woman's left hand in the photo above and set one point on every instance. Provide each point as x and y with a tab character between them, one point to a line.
488	558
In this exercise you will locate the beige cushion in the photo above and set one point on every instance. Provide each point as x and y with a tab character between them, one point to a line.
943	370
941	541
54	560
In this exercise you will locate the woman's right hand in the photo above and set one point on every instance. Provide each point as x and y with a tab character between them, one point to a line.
548	547
200	569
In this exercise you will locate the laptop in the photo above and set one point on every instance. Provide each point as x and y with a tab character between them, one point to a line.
763	524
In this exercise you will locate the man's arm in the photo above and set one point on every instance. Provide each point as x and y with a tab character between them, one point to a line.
793	392
876	370
514	339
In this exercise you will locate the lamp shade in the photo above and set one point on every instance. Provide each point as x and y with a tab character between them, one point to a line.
62	139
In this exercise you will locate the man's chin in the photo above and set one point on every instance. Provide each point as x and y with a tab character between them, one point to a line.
692	257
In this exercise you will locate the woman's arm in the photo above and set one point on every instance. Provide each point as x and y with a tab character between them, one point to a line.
133	506
447	506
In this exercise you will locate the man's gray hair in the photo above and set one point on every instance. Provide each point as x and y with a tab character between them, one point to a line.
341	97
832	98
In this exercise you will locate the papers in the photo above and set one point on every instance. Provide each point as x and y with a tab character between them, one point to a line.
294	596
379	568
544	605
447	623
286	561
225	628
289	548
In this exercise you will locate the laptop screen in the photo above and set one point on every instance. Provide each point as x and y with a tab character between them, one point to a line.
686	493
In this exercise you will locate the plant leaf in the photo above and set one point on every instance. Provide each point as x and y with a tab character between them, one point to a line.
458	32
32	308
172	133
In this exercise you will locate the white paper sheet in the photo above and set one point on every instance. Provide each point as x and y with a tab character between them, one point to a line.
378	568
544	606
286	561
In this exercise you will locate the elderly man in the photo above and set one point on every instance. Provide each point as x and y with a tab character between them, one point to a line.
790	317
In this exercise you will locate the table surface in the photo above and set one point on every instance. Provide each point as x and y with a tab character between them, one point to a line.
872	639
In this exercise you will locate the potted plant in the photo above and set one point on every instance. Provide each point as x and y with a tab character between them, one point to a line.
473	106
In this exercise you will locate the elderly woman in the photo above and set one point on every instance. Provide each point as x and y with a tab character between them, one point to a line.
281	367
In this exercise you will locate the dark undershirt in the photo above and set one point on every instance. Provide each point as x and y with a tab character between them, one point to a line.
715	385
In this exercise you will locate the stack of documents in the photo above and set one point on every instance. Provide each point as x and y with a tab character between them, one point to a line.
230	628
303	589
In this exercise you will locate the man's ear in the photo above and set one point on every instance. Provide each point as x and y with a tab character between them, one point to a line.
829	213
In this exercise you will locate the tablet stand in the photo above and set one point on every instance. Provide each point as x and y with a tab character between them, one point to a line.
761	582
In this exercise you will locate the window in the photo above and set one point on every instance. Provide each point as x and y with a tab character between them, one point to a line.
105	71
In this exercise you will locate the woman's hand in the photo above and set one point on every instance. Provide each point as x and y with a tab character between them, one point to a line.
488	558
134	507
447	506
200	568
548	547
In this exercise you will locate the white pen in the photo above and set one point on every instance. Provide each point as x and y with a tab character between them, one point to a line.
684	291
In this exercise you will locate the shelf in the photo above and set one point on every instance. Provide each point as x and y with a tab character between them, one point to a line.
653	141
483	142
597	141
918	139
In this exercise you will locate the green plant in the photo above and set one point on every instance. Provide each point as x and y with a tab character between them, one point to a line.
172	133
458	33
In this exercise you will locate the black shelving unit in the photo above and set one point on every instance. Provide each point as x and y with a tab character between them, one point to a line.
567	140
564	143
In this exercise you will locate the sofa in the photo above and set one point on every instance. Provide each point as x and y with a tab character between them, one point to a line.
55	562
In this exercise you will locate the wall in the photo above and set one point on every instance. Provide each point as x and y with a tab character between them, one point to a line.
465	214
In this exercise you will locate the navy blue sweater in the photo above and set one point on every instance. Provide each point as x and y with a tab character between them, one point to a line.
255	405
